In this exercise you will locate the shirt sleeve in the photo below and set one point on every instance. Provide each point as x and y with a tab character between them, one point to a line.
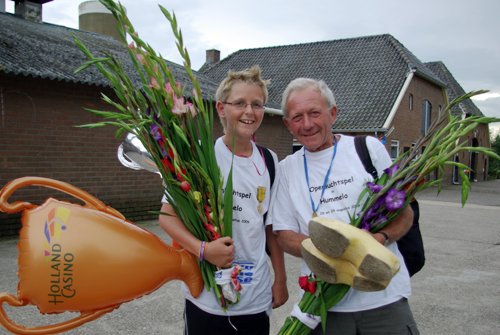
280	215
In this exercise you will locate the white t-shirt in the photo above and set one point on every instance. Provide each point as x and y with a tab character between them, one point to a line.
248	233
292	209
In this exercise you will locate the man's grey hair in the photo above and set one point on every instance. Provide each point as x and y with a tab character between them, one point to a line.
299	84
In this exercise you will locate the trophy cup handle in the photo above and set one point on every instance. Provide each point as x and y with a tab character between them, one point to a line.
48	329
19	183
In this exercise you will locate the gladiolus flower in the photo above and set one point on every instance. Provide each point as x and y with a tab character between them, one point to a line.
197	197
375	188
236	271
179	106
140	58
390	171
185	186
167	163
394	199
156	132
380	220
168	88
365	225
213	232
153	83
236	284
303	282
311	286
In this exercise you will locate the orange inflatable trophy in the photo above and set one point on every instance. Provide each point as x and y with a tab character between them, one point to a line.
85	259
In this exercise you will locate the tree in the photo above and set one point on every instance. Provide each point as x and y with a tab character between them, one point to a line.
494	169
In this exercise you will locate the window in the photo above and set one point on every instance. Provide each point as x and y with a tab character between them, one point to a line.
426	116
394	149
296	146
410	101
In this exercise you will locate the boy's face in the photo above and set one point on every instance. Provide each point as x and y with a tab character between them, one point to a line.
242	122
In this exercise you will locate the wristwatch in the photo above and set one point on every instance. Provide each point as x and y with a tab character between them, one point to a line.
386	237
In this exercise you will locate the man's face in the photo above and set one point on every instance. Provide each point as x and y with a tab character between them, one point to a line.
310	120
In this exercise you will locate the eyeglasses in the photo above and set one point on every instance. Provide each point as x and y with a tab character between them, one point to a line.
256	107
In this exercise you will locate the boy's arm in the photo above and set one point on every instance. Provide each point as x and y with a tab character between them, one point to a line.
279	288
219	252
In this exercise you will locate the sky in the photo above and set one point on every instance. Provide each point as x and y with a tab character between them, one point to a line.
463	34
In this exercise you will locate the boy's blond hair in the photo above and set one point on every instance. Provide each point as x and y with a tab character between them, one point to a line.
250	76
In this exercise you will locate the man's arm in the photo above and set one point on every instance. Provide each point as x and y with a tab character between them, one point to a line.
397	228
290	241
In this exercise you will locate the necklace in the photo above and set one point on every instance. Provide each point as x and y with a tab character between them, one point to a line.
250	158
261	190
323	188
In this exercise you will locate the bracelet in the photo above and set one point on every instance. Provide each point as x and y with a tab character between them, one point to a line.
386	237
202	250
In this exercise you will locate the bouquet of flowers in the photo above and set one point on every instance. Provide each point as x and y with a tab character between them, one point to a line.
177	134
382	200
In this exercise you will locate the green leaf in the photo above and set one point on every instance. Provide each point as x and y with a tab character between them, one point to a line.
228	204
465	186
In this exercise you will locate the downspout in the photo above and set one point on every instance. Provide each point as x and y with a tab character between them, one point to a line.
401	94
273	111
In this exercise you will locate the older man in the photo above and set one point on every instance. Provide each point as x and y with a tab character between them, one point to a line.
325	178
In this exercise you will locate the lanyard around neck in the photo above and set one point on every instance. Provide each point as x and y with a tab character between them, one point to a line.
313	206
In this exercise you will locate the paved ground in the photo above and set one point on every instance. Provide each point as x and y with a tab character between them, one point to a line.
457	292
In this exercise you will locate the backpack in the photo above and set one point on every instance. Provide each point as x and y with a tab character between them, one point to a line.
410	245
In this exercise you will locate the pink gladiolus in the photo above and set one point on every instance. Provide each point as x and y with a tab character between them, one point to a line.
191	109
140	58
179	106
168	88
153	83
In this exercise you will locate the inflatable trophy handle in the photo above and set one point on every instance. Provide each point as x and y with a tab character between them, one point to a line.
85	259
19	183
42	330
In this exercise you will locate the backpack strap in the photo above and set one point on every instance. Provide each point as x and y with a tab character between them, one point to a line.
269	160
364	155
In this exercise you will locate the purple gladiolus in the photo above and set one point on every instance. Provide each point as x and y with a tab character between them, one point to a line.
375	188
365	225
390	171
155	132
370	213
380	220
394	199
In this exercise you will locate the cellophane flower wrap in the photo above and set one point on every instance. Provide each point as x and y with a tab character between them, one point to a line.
383	199
176	133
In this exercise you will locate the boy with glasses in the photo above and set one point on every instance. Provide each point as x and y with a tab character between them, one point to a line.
240	104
